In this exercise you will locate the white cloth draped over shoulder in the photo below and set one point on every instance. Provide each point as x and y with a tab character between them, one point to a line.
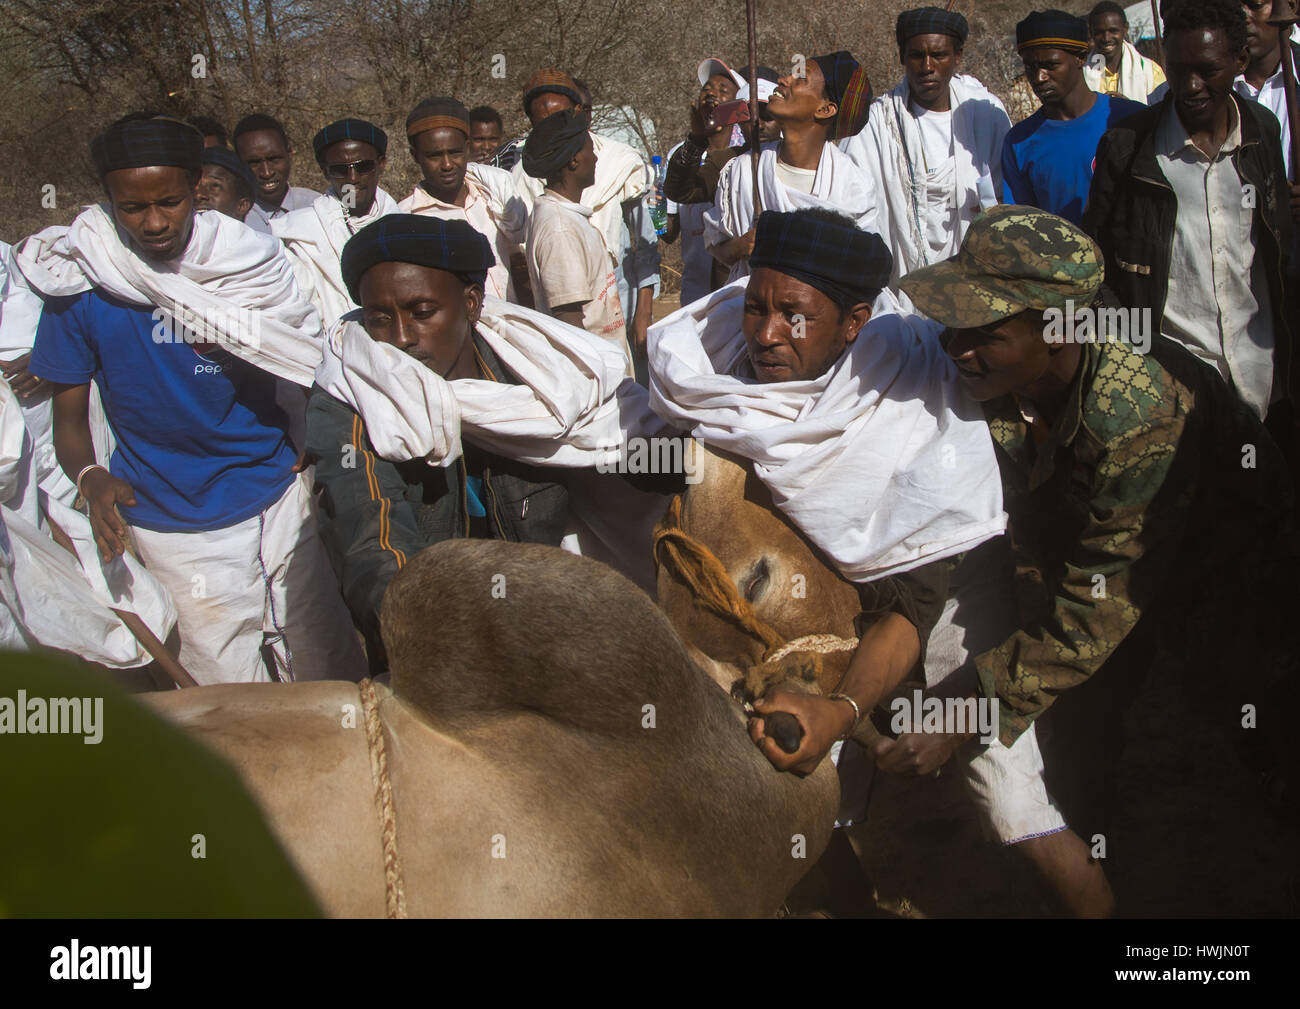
884	462
889	148
20	314
237	282
572	409
53	598
1136	77
314	238
839	185
621	175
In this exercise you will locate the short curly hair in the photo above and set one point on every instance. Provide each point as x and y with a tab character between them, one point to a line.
1107	7
1227	16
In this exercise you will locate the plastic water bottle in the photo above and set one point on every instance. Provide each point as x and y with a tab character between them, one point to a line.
658	210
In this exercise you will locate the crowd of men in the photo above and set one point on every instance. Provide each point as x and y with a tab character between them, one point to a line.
237	407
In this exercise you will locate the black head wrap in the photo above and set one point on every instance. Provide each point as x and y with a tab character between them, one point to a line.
224	157
845	263
553	143
931	21
350	129
452	245
1054	29
146	143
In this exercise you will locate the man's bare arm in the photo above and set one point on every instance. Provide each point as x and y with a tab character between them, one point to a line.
75	450
887	652
734	249
645	301
572	313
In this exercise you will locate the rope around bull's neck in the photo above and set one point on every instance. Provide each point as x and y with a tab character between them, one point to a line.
394	884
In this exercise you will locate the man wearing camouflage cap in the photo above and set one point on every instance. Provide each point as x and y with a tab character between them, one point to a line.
1127	477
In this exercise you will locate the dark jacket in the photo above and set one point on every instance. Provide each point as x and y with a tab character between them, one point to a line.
377	514
1132	208
693	171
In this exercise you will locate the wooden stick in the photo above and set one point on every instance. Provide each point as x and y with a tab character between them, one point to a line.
148	640
751	24
1156	27
156	649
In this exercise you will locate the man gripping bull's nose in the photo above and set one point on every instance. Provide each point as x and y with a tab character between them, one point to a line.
858	428
853	418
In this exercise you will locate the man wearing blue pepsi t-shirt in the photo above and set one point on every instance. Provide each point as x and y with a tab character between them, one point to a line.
202	472
1048	159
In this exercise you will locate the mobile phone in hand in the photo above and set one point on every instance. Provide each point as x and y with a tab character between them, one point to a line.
727	114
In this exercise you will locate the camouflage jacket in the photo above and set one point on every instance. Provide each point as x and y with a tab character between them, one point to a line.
1152	466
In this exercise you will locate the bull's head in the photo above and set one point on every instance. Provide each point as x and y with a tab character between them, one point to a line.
738	581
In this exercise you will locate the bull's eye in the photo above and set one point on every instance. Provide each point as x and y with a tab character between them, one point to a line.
756	583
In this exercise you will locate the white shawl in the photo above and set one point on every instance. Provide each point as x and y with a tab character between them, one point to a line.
884	462
839	185
889	148
573	407
1136	77
314	238
54	598
233	279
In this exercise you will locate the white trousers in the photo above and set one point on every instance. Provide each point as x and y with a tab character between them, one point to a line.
265	581
1005	783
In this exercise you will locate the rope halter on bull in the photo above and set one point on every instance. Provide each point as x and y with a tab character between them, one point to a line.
394	883
713	588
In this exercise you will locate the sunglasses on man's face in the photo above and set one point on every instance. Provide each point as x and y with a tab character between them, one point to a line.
346	169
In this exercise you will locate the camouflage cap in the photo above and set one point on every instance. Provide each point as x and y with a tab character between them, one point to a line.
1013	258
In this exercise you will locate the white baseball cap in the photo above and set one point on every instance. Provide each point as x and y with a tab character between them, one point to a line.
765	89
712	66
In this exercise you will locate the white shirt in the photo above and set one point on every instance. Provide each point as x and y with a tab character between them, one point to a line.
940	217
568	263
801	180
1272	97
260	217
1211	307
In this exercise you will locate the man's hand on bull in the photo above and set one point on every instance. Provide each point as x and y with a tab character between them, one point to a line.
918	753
822	720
